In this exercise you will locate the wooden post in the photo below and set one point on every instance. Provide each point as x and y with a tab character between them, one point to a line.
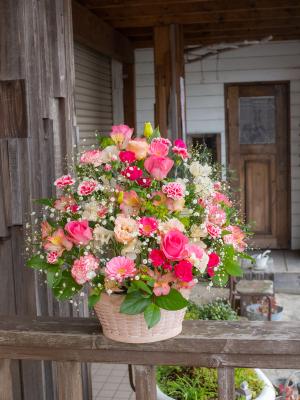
226	390
129	94
69	384
145	382
6	383
169	80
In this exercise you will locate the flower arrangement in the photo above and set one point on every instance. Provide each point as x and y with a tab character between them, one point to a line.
140	216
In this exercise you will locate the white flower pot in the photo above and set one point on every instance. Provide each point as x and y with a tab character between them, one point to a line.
268	392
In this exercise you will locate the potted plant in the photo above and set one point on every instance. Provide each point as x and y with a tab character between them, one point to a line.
260	311
190	383
137	223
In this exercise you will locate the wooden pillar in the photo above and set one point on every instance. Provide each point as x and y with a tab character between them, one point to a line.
226	389
145	382
129	94
169	80
37	131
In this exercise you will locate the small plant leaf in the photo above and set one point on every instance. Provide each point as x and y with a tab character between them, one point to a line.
142	286
93	299
66	288
172	301
152	315
54	275
36	262
134	303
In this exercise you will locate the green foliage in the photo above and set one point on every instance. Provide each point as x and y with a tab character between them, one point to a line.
65	288
45	202
217	310
191	383
36	262
230	263
134	303
172	301
152	315
105	141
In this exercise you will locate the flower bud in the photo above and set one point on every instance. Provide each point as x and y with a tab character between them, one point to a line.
148	130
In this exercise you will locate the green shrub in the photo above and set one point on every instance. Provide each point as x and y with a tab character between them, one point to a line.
217	310
193	383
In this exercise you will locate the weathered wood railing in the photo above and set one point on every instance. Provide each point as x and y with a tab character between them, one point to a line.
223	345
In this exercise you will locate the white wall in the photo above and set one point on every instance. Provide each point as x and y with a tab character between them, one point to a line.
205	95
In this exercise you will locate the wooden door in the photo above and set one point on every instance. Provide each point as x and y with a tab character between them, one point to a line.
258	152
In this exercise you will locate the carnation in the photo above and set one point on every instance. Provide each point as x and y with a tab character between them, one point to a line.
213	230
174	190
184	271
83	269
87	187
63	181
93	157
127	156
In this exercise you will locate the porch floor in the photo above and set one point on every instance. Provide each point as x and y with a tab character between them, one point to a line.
111	381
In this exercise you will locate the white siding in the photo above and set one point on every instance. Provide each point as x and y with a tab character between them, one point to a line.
93	94
205	96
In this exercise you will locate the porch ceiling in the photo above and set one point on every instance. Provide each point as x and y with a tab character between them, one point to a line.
204	21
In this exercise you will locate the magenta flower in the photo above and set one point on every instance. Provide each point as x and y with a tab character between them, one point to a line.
148	225
133	173
184	271
127	156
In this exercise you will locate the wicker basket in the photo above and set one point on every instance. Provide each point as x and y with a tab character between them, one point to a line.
132	328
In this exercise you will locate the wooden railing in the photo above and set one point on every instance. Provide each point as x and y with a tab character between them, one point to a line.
219	344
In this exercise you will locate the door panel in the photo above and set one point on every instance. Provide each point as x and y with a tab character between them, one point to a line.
257	137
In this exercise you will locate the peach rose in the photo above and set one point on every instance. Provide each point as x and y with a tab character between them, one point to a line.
126	229
175	205
139	147
79	232
158	167
174	245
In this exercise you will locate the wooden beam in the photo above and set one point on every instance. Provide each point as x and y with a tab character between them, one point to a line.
69	383
91	31
169	80
207	17
253	344
176	9
129	99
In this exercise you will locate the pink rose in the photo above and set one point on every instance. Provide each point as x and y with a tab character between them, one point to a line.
79	232
139	147
184	271
65	180
158	167
87	187
174	244
158	148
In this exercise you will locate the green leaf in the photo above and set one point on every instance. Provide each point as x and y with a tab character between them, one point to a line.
142	286
45	202
172	301
246	256
66	288
54	275
152	315
221	278
134	303
93	298
105	141
36	262
233	268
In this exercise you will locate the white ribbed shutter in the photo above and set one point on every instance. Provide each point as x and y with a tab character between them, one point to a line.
93	94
